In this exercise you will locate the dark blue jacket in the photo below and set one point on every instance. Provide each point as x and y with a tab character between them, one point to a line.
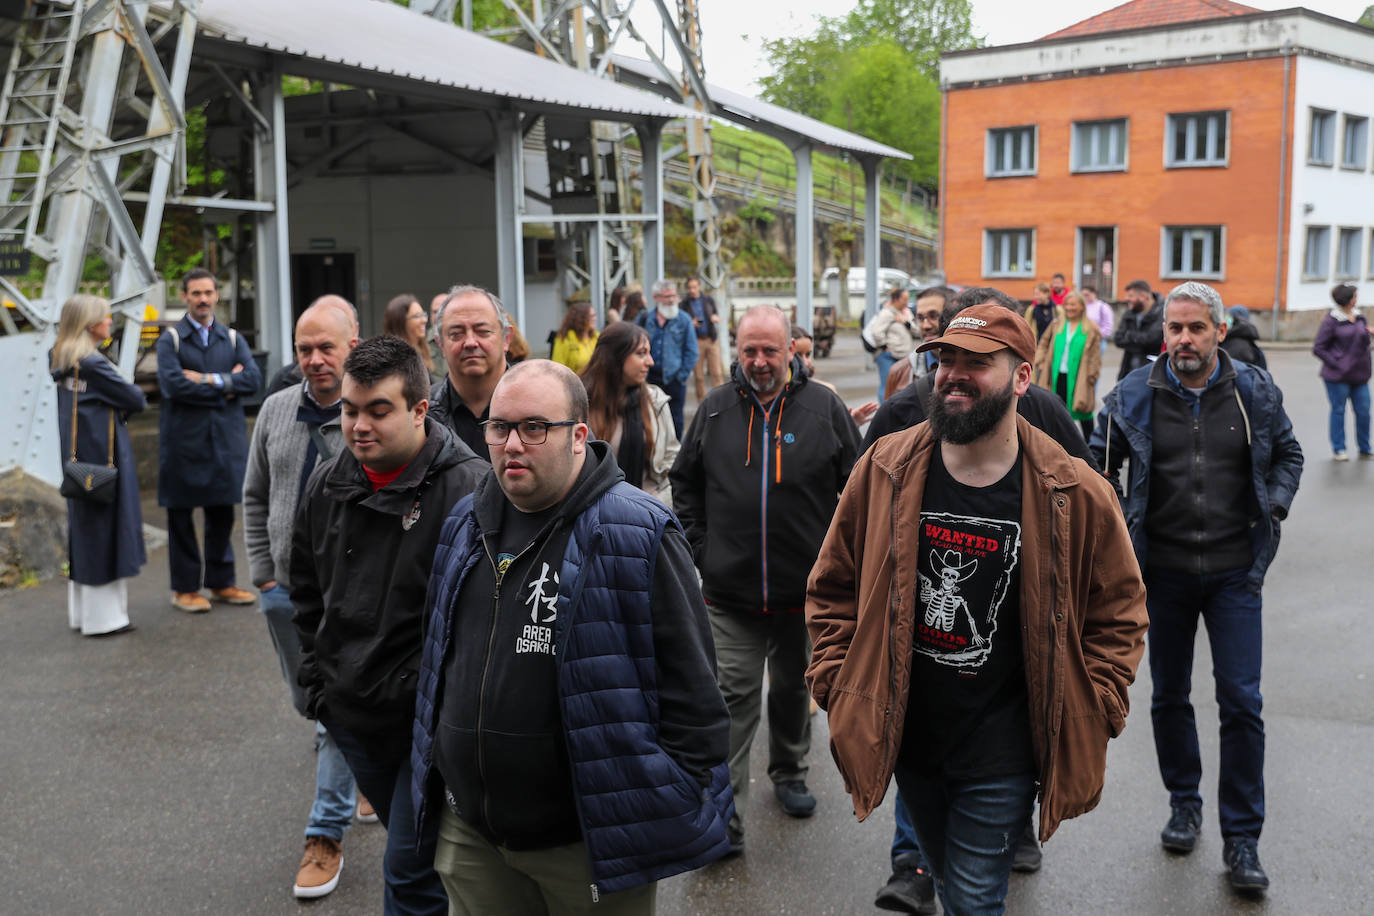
104	542
1124	432
202	437
674	344
643	816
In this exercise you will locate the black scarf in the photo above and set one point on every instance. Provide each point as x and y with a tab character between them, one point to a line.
630	456
313	416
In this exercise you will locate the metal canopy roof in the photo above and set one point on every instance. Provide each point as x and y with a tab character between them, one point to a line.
381	38
766	118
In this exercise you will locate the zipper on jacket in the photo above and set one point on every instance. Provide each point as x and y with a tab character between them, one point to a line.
574	596
1050	731
894	611
486	670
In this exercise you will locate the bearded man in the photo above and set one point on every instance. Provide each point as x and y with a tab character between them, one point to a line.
977	617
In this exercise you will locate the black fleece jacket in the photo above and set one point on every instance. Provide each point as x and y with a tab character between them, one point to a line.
755	488
360	565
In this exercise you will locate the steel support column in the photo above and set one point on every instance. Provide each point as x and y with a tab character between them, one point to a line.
272	241
651	147
510	206
596	266
873	247
805	234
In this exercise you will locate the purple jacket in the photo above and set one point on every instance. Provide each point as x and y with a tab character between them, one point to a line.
1342	345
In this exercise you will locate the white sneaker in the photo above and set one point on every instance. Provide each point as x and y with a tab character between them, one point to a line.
1340	456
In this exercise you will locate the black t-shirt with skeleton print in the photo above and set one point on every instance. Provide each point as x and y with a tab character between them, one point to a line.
967	714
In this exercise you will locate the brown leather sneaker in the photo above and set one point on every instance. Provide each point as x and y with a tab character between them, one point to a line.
320	868
233	595
190	602
366	814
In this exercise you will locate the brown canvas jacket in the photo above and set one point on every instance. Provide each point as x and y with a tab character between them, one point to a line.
1082	618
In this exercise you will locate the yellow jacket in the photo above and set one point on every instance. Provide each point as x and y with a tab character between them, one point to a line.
574	351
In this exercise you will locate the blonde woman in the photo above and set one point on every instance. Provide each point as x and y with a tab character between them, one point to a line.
1068	360
104	541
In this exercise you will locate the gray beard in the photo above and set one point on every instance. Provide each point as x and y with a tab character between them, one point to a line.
967	426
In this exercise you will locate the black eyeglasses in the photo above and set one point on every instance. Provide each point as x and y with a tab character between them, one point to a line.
531	432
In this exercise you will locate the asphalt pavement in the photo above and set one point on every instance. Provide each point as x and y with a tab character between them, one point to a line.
164	772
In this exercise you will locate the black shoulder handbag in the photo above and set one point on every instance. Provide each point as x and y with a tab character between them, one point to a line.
97	483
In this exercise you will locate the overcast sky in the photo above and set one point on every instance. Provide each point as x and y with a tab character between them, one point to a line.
733	60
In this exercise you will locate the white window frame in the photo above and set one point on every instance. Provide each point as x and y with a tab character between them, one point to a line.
1323	120
1307	259
1183	118
1166	251
1076	142
1369	261
1351	271
1358	163
994	236
994	136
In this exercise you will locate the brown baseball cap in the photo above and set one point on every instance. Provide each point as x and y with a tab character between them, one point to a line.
987	329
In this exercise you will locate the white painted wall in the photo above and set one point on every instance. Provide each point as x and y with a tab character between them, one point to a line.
1337	197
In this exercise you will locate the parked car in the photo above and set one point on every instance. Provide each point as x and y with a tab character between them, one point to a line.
857	279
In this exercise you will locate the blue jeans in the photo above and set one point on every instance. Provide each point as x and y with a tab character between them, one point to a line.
1231	613
885	361
1358	396
332	811
968	831
383	774
904	842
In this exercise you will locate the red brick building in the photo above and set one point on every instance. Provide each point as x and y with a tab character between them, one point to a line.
1164	140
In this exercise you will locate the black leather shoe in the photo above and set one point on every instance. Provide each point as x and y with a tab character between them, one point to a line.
1180	834
736	837
911	889
1242	858
795	797
1028	855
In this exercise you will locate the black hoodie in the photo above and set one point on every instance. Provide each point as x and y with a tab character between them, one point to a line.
360	565
499	745
755	488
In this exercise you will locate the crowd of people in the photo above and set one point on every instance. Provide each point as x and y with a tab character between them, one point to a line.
531	614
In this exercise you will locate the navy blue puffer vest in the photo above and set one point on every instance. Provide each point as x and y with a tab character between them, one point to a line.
643	817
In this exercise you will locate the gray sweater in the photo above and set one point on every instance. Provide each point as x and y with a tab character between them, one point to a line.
271	485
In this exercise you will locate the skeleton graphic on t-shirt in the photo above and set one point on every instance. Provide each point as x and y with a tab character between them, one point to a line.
943	602
963	578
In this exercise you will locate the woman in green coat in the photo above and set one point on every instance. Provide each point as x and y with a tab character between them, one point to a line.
1068	360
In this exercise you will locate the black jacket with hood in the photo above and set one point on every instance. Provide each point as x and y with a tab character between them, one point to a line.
360	564
755	488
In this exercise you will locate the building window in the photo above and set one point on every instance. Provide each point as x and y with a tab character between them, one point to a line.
1099	146
1354	142
1321	139
1194	251
1316	261
1011	151
1197	139
1009	253
1348	254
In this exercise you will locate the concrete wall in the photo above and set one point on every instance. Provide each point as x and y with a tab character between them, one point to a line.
1330	196
419	234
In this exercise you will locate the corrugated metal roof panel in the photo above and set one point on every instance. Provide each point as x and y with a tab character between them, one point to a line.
379	36
770	118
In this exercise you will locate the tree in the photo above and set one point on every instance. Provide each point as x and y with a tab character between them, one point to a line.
874	71
876	93
1367	20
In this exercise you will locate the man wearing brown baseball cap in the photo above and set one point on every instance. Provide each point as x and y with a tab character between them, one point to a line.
986	653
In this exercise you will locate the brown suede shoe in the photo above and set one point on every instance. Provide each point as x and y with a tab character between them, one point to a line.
366	814
320	867
190	602
233	595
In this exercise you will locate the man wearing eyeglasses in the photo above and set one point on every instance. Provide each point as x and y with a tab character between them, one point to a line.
361	549
570	741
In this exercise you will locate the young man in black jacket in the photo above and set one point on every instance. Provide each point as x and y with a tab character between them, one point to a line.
362	546
755	483
1140	333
